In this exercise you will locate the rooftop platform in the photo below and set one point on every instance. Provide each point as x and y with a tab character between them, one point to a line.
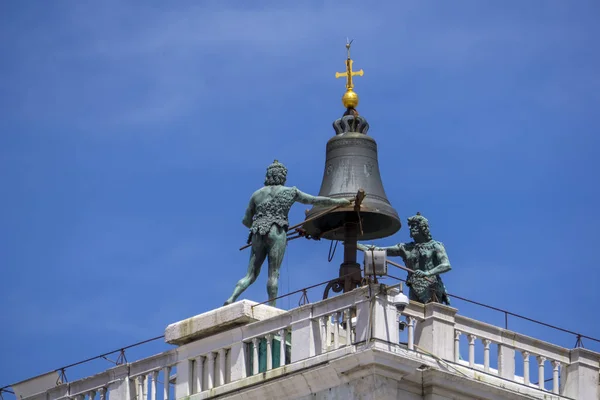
355	345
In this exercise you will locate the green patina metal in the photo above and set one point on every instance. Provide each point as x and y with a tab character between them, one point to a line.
275	353
426	257
267	219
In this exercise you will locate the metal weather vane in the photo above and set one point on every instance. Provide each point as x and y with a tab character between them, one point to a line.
350	98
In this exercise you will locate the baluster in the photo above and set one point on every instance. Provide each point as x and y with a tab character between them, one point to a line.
211	370
199	373
282	335
91	395
190	380
471	350
102	393
328	331
555	369
456	346
486	354
254	356
348	318
269	337
541	360
336	330
145	387
525	367
137	386
166	385
222	366
140	385
323	326
410	324
154	387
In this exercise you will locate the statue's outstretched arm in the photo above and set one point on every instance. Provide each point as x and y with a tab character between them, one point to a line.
393	251
247	221
443	261
306	198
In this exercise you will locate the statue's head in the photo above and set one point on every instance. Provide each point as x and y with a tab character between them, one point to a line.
276	174
419	228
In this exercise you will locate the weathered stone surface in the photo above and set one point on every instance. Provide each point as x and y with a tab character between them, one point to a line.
219	320
35	385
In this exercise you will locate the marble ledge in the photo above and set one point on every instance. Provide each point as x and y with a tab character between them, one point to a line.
222	319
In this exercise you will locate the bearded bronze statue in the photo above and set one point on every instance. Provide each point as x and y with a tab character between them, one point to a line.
426	257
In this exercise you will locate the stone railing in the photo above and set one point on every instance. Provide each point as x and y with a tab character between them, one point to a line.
508	343
243	344
262	346
142	379
439	332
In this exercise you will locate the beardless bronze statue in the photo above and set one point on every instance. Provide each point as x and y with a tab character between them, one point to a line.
426	257
267	219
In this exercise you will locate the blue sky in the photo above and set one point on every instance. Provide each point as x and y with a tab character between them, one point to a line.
133	134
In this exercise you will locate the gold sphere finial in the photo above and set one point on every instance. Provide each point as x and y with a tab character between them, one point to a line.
350	98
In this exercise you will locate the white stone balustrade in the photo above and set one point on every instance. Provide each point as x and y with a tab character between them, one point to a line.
256	341
123	382
508	343
249	349
335	329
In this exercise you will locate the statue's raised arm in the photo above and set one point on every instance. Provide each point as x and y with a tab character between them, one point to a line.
306	198
267	218
396	250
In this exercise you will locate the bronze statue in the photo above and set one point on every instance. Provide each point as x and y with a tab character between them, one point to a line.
426	257
267	219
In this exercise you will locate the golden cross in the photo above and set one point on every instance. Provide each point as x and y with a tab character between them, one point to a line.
349	73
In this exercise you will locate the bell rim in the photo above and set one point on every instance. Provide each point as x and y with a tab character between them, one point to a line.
390	214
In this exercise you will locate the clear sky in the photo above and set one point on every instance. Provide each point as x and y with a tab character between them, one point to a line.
133	134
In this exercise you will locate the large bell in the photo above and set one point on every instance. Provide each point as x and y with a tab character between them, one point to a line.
351	164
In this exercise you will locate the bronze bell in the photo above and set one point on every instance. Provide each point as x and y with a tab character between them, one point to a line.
351	164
